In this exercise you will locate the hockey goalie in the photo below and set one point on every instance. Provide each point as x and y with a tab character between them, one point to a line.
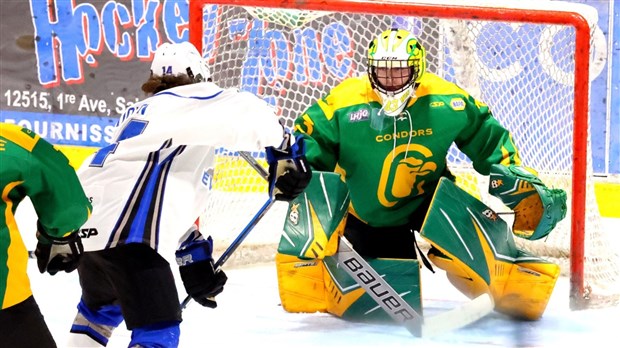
387	133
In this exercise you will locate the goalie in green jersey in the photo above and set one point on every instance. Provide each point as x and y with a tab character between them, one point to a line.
387	133
31	167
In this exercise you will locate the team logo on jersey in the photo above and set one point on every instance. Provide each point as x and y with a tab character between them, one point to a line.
405	171
360	115
457	104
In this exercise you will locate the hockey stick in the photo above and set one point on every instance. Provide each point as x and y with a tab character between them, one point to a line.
237	242
250	226
394	305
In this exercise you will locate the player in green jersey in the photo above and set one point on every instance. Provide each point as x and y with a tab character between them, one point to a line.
388	133
31	167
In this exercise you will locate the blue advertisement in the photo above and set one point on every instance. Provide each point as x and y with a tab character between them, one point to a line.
70	68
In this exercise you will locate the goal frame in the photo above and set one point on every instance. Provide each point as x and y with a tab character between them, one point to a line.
446	11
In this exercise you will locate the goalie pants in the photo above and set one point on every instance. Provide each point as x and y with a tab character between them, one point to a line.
135	277
397	242
23	326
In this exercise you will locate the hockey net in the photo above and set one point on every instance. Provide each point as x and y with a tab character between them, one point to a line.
529	61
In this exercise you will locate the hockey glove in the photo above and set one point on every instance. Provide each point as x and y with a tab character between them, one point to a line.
200	279
57	254
289	171
537	208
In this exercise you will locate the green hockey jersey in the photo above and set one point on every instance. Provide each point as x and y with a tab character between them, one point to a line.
391	164
32	167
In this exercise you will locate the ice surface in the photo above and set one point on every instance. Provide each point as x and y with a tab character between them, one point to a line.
249	314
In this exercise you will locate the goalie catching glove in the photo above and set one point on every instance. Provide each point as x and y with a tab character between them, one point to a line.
289	171
57	254
200	278
537	208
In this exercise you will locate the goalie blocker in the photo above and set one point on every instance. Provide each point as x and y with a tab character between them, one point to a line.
470	242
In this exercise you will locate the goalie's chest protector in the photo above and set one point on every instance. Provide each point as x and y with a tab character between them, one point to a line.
392	163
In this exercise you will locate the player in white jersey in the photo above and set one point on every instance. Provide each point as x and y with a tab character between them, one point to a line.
149	186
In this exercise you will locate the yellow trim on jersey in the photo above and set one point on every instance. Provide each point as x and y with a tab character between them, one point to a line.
76	154
18	285
352	91
433	84
20	136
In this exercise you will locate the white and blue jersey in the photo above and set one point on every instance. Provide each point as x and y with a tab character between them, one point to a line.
152	182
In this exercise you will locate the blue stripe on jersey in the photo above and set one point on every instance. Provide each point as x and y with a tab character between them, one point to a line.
117	236
139	221
189	97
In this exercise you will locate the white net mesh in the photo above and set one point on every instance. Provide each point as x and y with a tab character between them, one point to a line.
524	71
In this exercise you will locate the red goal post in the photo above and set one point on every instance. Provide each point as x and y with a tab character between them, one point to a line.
479	11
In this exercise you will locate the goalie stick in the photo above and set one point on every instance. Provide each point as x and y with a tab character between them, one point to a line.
394	305
390	301
249	227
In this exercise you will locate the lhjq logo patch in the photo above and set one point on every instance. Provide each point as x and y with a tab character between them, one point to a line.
360	115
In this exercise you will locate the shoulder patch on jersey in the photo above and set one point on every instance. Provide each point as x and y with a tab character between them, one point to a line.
436	104
359	115
457	104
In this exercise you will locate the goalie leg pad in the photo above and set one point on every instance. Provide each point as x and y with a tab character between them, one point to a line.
308	286
346	299
459	274
520	290
301	284
316	218
477	250
528	289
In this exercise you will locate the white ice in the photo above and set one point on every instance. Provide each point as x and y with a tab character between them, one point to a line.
249	313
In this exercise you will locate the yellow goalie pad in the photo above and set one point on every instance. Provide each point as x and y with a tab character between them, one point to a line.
521	290
476	248
301	284
309	286
306	286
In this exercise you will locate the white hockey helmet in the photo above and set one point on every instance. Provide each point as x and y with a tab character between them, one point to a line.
180	58
396	61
